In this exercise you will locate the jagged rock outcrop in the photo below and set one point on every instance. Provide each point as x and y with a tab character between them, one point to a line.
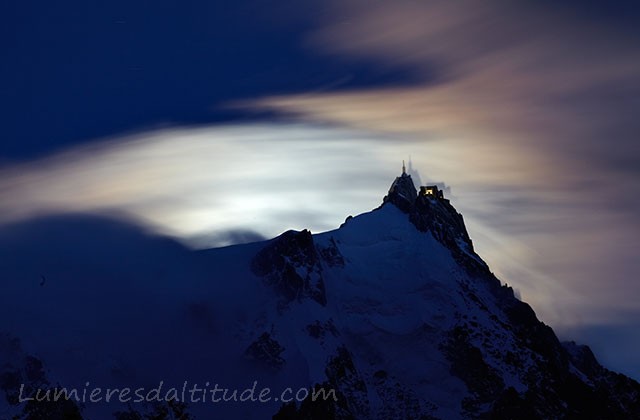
290	264
267	351
392	316
331	254
436	215
512	365
402	193
319	330
22	378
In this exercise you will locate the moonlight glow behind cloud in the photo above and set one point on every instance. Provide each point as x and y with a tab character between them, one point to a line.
528	113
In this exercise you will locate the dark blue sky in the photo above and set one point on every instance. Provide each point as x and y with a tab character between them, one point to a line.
74	71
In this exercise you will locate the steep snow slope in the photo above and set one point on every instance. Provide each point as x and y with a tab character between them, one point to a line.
120	309
393	310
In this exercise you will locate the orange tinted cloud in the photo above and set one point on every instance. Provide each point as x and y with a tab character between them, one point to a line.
530	113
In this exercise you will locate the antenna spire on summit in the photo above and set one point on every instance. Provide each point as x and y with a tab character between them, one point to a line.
404	171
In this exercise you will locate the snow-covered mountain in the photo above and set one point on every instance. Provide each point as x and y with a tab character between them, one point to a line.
393	316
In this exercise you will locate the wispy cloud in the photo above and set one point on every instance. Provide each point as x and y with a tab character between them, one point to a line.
209	180
530	115
532	118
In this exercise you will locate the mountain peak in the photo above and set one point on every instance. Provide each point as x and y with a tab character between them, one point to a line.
430	211
403	192
393	314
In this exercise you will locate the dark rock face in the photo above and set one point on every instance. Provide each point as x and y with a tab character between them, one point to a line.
499	338
399	402
402	193
468	364
166	411
440	217
344	378
436	215
18	369
345	394
320	330
290	264
583	358
308	410
478	352
562	380
332	255
266	350
23	375
611	395
447	226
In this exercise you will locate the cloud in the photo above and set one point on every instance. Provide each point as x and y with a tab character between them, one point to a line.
528	112
532	119
213	180
222	238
